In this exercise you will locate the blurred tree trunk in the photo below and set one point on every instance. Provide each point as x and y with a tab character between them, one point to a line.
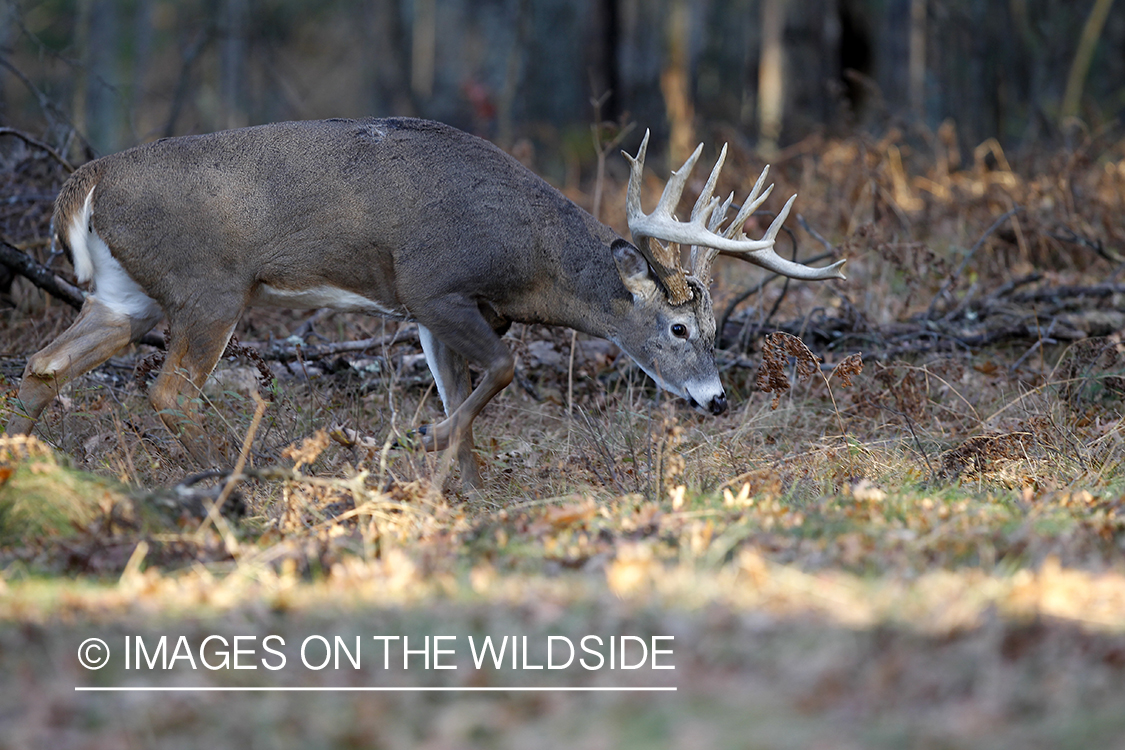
7	23
232	72
603	56
512	74
142	52
771	76
423	49
390	78
1080	68
96	102
918	58
675	81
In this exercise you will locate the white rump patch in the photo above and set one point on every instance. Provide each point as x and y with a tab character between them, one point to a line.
112	285
115	287
321	296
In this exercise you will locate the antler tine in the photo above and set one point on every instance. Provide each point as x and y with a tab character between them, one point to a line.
771	261
674	188
664	260
713	212
703	231
749	206
704	199
718	217
702	256
636	172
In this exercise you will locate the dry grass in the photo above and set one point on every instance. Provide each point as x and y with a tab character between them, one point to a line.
925	550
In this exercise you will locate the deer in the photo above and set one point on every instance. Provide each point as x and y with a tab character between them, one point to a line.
403	218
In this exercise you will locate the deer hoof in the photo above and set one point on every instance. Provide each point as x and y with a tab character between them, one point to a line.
415	437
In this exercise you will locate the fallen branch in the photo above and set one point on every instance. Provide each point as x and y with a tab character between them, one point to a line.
1099	291
281	351
965	262
1069	235
40	275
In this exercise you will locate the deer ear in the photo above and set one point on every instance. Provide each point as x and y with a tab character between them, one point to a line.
634	270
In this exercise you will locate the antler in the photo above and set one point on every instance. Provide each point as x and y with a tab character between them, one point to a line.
664	259
703	230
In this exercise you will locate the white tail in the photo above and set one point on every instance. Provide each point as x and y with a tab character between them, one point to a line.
402	218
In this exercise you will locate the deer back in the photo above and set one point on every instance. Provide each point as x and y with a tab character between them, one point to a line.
395	211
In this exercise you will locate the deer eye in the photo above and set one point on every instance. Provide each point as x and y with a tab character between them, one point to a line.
679	330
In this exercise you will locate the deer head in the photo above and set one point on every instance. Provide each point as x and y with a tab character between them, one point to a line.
678	350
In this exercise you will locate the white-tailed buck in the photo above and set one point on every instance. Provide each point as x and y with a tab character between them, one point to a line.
403	218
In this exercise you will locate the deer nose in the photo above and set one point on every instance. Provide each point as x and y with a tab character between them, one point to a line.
718	404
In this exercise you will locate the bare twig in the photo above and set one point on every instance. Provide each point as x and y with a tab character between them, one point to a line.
1069	235
965	262
828	246
606	454
725	317
29	140
233	480
49	108
603	147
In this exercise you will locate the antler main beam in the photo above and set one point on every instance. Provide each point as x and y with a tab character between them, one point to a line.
703	231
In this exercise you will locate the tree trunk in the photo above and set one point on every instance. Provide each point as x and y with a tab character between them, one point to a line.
771	76
233	70
424	48
918	58
1079	69
675	82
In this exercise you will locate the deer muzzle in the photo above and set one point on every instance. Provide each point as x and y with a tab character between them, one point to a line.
715	403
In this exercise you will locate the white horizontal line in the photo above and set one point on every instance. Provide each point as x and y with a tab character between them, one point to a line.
537	689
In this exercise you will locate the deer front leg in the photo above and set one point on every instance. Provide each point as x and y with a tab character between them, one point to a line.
460	334
451	376
96	335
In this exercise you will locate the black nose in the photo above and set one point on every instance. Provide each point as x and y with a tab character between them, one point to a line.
718	404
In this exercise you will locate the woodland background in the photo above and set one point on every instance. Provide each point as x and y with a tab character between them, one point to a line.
120	72
908	531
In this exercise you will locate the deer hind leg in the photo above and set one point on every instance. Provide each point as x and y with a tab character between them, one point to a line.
463	334
451	375
194	349
97	334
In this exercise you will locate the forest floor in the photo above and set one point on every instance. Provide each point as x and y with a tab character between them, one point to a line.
921	543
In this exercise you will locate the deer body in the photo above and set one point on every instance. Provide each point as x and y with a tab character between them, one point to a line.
403	218
377	215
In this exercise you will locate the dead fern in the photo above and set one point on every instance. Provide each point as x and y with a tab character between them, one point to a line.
776	350
1091	366
978	453
308	451
848	367
906	386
